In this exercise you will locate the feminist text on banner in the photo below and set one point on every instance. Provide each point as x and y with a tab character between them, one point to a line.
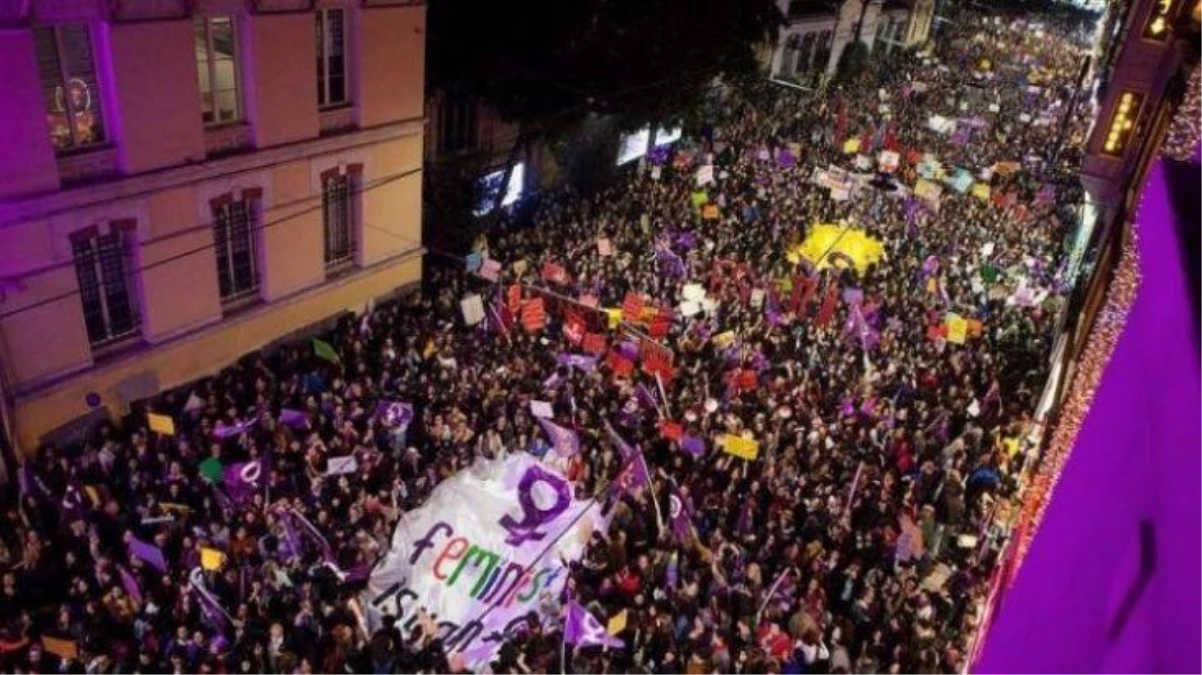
744	448
582	629
488	547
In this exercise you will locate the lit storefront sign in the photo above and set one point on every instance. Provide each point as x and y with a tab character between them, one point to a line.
1157	27
1122	124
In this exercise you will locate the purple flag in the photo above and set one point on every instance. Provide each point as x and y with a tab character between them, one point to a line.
930	266
624	448
634	475
582	629
646	398
394	413
130	584
236	429
629	350
686	240
313	533
694	445
148	553
297	419
564	441
245	478
581	362
681	515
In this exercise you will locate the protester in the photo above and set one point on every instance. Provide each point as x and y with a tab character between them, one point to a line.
890	436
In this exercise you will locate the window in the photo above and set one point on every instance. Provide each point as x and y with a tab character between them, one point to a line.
217	69
337	215
69	90
103	269
234	225
457	124
331	58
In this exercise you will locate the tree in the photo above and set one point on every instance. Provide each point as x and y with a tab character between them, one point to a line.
545	64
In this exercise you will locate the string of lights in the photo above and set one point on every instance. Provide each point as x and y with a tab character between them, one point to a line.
1181	141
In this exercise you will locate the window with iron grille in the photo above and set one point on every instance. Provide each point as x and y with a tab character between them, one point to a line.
337	215
234	233
102	266
332	87
69	90
217	68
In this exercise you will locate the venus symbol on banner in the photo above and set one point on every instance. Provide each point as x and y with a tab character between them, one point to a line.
556	490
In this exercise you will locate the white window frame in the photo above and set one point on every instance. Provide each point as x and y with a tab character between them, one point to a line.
251	202
211	63
329	236
323	76
93	241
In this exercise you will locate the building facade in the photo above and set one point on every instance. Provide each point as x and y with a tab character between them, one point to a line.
185	181
816	32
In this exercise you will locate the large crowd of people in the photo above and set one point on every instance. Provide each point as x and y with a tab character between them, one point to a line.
892	403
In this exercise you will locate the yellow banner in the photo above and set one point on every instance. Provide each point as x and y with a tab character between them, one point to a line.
851	146
744	448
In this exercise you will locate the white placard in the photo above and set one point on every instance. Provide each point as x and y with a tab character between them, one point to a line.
542	409
473	309
336	466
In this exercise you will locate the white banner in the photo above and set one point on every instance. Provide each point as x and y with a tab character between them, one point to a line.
471	555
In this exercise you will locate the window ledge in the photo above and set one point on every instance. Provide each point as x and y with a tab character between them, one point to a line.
84	164
116	347
335	119
225	138
340	268
236	304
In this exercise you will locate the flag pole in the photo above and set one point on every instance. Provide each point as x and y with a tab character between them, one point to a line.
659	518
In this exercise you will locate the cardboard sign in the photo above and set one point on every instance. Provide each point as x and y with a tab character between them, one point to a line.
160	424
605	248
211	559
705	175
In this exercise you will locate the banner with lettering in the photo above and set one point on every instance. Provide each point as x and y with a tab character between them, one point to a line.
489	547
